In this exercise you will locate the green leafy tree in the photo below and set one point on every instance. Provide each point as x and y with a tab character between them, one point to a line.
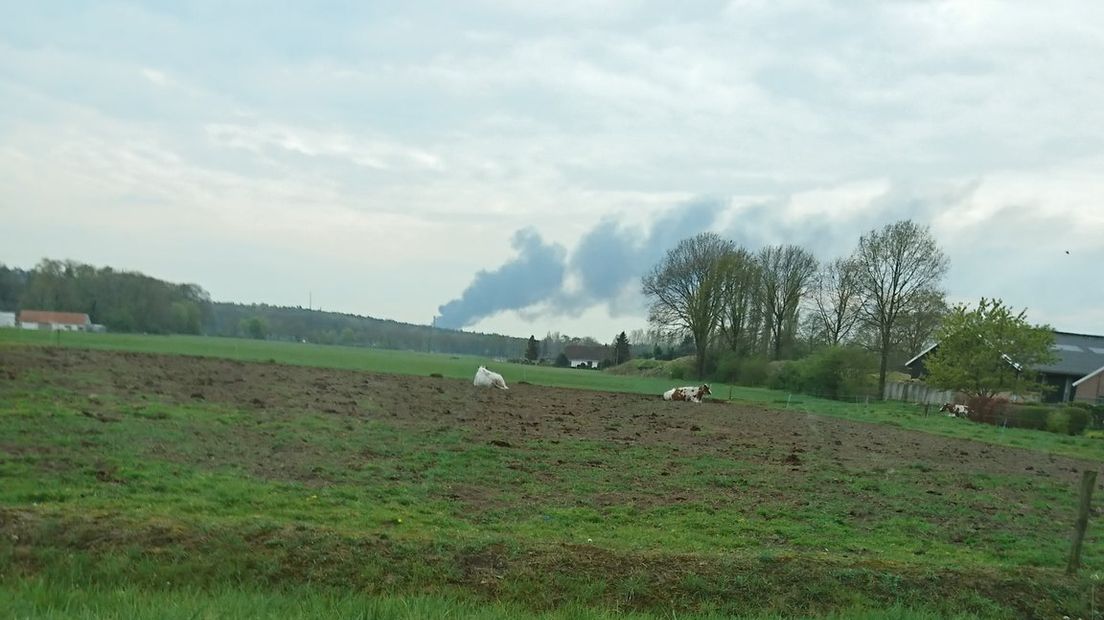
562	361
532	349
987	350
622	352
255	327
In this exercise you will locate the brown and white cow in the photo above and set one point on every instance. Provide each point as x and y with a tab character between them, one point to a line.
694	394
955	411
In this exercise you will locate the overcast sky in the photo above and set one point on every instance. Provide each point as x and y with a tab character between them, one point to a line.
380	155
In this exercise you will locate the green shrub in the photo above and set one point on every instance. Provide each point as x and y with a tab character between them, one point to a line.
678	371
1081	404
1079	418
834	372
754	371
1032	416
732	368
787	376
728	368
1058	421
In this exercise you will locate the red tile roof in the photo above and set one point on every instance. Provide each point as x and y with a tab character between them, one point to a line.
47	316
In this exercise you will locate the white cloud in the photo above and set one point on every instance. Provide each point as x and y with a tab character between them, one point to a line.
411	145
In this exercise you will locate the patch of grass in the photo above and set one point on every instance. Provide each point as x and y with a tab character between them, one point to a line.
65	600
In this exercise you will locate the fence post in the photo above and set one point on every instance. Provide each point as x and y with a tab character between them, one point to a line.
1088	483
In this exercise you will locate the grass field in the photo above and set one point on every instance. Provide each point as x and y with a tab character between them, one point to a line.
165	486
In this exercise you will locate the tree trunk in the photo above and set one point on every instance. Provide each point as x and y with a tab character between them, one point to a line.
883	366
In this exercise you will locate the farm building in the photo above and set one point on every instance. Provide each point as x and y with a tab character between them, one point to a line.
56	321
1075	375
587	356
7	319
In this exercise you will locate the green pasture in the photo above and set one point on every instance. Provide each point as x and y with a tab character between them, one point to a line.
204	510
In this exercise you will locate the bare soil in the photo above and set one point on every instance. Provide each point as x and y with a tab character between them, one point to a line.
524	412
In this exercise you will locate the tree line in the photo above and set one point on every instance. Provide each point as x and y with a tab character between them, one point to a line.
128	301
302	324
125	301
781	302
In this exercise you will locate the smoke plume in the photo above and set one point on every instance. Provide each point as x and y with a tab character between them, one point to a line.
608	260
536	273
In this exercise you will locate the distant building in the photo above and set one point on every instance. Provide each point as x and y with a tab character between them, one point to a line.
55	321
588	356
1075	375
7	319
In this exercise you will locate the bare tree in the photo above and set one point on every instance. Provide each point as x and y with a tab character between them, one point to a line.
786	273
686	289
919	324
897	266
739	324
836	301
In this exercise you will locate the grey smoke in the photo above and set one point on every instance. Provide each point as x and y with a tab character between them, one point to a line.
610	259
611	256
537	272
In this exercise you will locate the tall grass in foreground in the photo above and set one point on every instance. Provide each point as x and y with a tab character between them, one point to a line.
41	599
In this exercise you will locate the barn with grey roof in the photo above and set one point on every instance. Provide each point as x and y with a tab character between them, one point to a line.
1077	373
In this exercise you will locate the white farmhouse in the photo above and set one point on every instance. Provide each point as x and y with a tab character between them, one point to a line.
587	356
56	321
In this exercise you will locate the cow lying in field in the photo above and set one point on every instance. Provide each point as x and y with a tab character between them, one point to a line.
955	411
487	378
695	394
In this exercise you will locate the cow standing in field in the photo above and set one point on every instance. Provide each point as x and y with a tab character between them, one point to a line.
487	378
955	411
693	394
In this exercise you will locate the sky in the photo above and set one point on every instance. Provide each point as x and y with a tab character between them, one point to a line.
516	166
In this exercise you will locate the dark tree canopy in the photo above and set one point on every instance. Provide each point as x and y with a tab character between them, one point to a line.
622	351
743	314
897	266
124	301
686	290
532	349
836	301
786	273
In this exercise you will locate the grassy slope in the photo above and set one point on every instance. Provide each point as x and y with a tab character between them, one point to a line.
463	367
133	523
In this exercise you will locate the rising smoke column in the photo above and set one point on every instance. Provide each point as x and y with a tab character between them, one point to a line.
609	258
536	274
612	256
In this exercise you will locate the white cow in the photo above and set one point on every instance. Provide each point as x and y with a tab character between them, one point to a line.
487	378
